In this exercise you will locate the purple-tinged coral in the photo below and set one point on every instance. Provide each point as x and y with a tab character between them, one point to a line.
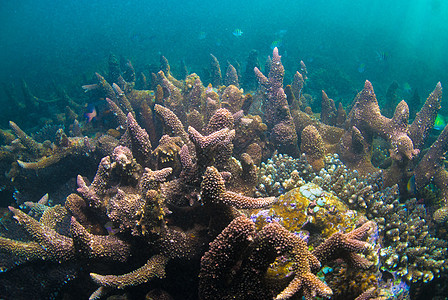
166	68
222	118
277	114
238	259
139	138
347	246
166	153
223	255
56	247
209	142
282	242
366	116
232	98
424	120
77	146
313	146
122	209
284	138
214	190
195	92
189	167
105	87
118	113
328	112
151	180
431	163
97	188
173	126
174	101
297	86
105	247
195	119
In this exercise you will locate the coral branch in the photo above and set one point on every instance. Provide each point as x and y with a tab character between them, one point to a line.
154	268
346	246
56	246
173	126
124	102
93	192
225	249
32	146
231	77
424	120
118	113
141	145
108	247
431	163
214	190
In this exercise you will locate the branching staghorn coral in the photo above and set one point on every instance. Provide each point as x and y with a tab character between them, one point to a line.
277	114
238	259
137	202
163	195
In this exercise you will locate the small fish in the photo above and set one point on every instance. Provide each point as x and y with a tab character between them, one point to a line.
411	187
439	123
361	67
237	32
210	89
407	88
110	228
89	87
139	39
5	214
202	35
281	33
382	56
91	113
276	44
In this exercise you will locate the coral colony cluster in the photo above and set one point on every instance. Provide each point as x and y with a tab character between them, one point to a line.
210	193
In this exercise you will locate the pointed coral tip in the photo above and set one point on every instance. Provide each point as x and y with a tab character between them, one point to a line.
275	54
130	119
368	85
22	164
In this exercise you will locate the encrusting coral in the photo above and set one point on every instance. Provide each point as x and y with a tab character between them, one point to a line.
189	184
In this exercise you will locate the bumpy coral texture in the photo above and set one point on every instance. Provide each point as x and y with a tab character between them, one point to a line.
207	180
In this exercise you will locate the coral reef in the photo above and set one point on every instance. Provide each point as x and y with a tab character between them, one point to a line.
189	191
409	249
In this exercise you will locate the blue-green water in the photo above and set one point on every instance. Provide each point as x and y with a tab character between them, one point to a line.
54	45
42	41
